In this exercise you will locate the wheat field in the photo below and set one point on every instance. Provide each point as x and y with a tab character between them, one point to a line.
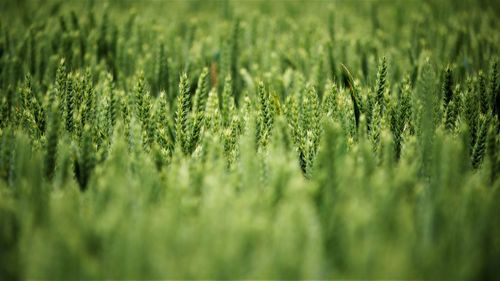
249	139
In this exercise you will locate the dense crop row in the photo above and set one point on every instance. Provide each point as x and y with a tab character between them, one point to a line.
249	139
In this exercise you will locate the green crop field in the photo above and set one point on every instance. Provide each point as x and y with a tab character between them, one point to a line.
249	139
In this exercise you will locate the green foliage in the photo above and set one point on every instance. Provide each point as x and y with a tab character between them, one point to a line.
86	158
181	117
381	84
265	117
349	83
249	140
447	86
480	146
52	138
472	113
69	100
400	115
